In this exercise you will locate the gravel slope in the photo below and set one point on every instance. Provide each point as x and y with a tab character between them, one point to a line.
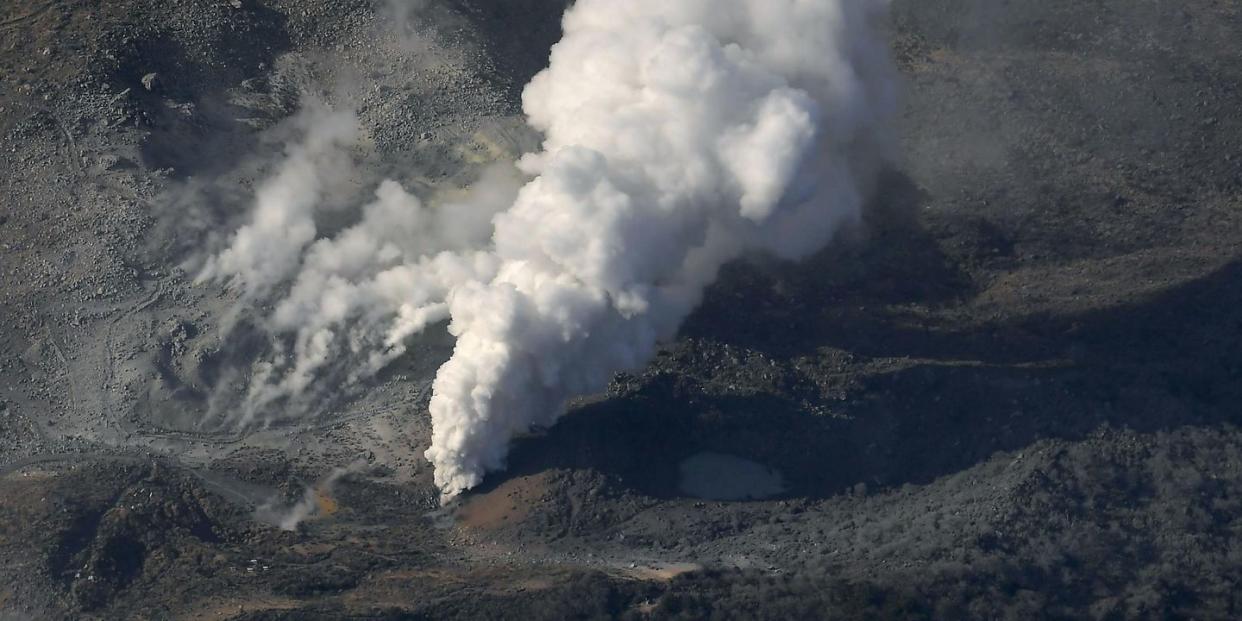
1013	393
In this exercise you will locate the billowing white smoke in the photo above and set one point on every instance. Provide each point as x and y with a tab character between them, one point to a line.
361	293
366	290
266	251
678	135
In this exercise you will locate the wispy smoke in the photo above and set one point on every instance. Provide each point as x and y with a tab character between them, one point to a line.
678	136
264	252
359	295
350	301
316	501
404	18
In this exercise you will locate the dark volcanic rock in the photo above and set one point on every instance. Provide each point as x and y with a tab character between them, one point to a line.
1011	393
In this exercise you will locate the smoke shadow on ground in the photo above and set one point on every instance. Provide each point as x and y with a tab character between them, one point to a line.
1172	361
837	295
180	94
925	403
515	59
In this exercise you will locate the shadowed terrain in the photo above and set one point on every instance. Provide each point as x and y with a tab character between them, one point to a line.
1010	392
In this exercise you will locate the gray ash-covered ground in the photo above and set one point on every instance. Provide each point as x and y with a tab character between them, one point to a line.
1013	393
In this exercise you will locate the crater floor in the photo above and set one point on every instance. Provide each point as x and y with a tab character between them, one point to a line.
1013	392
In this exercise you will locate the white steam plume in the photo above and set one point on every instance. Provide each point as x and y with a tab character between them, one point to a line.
375	284
361	293
264	252
679	135
316	501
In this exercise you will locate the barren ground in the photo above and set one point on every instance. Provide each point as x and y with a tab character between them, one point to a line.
1014	393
